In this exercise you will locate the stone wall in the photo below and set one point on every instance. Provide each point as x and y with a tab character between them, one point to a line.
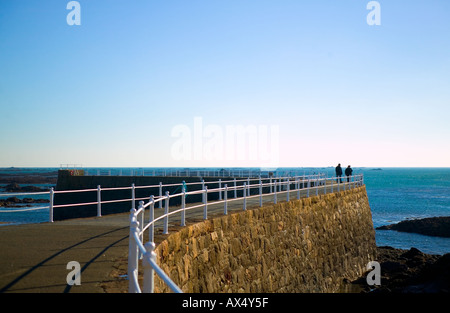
306	245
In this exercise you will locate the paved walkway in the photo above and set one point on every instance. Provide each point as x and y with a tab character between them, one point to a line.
34	257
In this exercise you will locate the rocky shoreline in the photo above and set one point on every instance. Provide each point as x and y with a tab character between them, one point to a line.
14	187
408	271
14	202
433	226
411	271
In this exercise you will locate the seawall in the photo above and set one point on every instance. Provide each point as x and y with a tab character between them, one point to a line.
306	245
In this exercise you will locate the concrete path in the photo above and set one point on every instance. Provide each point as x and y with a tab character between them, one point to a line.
34	257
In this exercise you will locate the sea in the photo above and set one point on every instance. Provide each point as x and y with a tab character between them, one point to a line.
395	194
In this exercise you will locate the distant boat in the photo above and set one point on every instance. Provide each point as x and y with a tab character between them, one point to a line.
377	169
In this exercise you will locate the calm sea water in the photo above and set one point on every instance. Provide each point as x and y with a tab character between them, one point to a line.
395	194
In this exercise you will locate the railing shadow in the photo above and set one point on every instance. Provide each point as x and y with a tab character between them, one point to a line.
43	262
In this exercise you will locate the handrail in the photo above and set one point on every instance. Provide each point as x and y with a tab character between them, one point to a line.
24	210
198	172
136	232
149	260
158	199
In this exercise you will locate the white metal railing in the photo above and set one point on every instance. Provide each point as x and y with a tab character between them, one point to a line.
51	193
138	227
190	172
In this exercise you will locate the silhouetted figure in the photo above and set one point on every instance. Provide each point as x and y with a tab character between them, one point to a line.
339	173
348	173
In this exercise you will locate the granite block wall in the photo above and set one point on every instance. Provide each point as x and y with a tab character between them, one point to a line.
306	245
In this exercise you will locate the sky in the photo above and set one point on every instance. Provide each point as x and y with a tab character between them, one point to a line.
213	83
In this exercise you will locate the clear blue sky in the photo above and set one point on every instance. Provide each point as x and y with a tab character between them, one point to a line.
110	91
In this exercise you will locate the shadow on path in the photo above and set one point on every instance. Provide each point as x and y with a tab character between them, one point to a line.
40	264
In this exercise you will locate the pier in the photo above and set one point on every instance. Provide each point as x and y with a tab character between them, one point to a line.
35	256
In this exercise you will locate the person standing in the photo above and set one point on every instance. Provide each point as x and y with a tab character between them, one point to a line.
338	172
348	173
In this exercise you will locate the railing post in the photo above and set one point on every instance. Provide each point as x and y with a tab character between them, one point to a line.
325	186
141	206
132	253
160	194
183	208
245	196
99	201
288	190
166	212
308	186
151	229
149	272
298	188
225	204
260	191
205	209
275	192
51	196
235	190
316	184
133	197
220	189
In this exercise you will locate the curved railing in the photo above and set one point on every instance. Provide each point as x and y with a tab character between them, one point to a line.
268	189
99	190
138	226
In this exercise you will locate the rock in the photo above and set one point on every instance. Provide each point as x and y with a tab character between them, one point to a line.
394	267
413	253
16	202
409	271
33	189
13	200
433	226
14	187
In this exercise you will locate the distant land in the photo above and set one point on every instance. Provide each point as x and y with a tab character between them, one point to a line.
31	178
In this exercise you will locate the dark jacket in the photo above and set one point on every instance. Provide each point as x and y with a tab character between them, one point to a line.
338	170
348	171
